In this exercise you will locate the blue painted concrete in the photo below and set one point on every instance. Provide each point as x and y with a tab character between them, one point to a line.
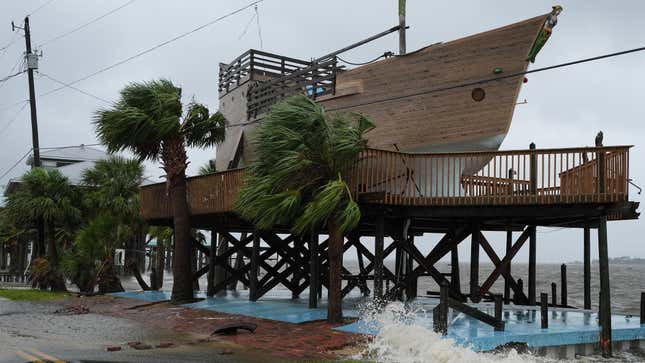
566	327
276	305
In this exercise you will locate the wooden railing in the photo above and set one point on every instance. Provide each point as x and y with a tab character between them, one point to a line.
520	177
572	175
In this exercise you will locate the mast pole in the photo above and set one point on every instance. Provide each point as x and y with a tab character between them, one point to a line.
402	27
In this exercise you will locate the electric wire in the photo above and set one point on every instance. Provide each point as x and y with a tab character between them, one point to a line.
384	55
16	164
13	119
246	27
155	47
40	7
74	88
84	25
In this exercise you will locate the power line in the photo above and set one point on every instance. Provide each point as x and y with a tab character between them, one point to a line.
40	7
474	83
15	165
148	50
246	27
11	76
84	25
13	119
74	88
384	55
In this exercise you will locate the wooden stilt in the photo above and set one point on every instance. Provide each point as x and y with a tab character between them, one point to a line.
544	310
532	263
314	273
411	291
498	311
474	264
563	285
440	312
255	264
642	308
507	285
554	299
379	240
455	281
587	267
210	289
517	297
605	295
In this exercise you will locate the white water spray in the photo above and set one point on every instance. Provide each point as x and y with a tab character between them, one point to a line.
402	339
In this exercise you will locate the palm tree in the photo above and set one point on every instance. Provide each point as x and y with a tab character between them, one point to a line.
46	195
150	121
302	153
208	168
112	197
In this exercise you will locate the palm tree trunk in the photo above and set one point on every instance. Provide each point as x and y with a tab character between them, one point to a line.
57	282
109	281
175	161
160	263
335	251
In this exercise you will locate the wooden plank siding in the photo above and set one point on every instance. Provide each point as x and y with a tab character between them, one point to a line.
498	178
447	116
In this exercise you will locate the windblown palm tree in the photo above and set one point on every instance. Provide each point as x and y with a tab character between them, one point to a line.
150	121
112	196
46	195
297	177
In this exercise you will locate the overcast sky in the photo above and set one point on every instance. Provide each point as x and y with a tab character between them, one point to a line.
566	107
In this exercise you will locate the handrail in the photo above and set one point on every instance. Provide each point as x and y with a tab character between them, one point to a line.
521	177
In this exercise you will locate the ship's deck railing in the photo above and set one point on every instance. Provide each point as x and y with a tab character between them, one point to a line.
276	77
518	177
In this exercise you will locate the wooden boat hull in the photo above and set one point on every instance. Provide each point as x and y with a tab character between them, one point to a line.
417	100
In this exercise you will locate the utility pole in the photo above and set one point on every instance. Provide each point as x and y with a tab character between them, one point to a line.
32	63
402	44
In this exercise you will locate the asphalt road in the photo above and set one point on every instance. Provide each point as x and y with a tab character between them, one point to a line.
34	332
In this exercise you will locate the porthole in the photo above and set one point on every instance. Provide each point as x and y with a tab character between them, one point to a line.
478	94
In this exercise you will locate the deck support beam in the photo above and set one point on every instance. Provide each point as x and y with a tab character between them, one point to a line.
255	266
605	295
379	240
532	264
507	286
210	285
474	264
314	272
587	266
455	281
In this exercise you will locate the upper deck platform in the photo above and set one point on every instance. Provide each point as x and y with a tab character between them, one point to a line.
551	186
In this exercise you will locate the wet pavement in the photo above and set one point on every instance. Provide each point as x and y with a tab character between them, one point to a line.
38	331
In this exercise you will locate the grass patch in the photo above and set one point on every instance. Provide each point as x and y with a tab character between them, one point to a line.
31	295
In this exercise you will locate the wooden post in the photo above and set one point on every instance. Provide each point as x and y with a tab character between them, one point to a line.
587	267
507	285
544	310
379	240
440	312
563	285
642	307
255	265
520	284
474	264
455	281
210	289
532	263
533	171
554	300
411	291
498	310
605	295
314	272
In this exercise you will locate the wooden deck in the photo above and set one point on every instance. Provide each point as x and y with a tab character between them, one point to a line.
533	177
